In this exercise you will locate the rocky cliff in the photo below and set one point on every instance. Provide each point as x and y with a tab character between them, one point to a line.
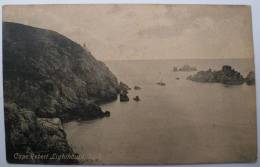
30	139
50	76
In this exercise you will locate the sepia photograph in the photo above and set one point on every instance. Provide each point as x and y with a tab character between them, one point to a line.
129	84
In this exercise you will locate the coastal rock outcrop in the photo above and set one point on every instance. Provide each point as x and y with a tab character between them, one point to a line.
227	76
50	74
161	83
250	78
136	98
124	97
50	77
123	87
123	91
28	137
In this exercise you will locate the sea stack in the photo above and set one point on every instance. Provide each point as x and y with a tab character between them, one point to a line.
123	91
124	97
136	98
250	78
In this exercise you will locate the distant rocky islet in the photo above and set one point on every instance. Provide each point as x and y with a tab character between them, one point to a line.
227	75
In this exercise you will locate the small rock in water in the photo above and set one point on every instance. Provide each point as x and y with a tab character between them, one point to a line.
250	78
107	113
136	98
124	97
137	88
123	87
161	83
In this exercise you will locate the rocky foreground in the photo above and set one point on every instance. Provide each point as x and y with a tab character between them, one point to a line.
31	139
48	79
227	75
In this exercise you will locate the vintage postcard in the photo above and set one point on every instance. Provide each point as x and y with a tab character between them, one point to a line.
129	84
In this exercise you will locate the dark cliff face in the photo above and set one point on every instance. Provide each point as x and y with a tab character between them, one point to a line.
48	78
48	73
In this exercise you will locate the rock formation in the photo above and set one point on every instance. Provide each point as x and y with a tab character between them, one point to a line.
27	135
123	87
136	98
227	76
123	91
124	97
137	88
250	78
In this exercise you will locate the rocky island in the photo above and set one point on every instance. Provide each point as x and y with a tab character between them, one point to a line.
49	79
227	75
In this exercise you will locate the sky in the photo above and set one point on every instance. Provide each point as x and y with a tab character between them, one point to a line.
130	32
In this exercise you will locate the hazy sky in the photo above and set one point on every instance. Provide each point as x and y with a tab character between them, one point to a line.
146	31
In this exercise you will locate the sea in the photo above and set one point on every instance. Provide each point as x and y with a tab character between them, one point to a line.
183	122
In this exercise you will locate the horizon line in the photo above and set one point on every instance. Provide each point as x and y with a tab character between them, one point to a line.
173	59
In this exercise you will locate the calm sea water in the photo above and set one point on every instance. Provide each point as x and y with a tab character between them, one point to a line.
182	122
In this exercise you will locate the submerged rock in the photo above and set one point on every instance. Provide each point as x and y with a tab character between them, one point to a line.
227	76
250	78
